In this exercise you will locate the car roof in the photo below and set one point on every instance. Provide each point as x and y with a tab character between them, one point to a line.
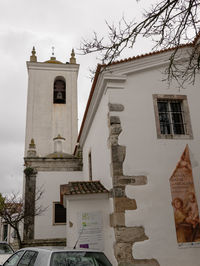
58	249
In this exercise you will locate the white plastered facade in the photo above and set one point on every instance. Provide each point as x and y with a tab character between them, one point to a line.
146	154
131	84
45	120
45	228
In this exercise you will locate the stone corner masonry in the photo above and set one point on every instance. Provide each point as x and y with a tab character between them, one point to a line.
125	236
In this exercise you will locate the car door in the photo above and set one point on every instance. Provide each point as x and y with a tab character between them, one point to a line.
14	259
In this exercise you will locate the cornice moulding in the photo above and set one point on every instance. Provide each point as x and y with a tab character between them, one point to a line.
47	66
105	82
148	62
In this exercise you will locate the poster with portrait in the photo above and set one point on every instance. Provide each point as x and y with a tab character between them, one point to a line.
186	213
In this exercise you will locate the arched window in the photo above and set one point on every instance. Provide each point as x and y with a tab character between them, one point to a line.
59	90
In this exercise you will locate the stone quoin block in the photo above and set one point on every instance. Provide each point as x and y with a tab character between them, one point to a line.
118	192
118	153
114	120
115	129
123	252
133	180
116	169
115	107
130	234
117	219
124	203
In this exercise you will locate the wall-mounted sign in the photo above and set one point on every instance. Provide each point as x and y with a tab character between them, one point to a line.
186	214
90	230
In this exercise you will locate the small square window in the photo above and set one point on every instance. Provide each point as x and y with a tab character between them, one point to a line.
172	116
59	213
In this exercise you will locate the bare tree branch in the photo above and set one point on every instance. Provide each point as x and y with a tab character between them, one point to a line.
13	212
168	23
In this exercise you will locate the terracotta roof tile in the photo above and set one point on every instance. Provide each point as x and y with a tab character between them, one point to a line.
86	187
81	188
150	54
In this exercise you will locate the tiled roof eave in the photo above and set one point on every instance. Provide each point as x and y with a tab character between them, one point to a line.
84	194
150	54
83	188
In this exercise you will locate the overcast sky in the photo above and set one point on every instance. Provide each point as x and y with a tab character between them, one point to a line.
43	24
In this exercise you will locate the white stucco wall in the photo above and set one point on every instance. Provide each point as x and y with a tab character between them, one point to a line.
97	143
46	120
74	207
147	155
50	183
155	158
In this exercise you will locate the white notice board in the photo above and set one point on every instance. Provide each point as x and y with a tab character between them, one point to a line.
90	230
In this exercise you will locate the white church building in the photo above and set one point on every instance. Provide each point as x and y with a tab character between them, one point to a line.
129	182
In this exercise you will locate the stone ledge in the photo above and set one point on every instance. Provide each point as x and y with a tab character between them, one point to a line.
115	107
55	164
130	234
132	180
123	203
45	242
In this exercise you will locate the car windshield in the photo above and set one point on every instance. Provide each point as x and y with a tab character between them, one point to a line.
79	258
5	249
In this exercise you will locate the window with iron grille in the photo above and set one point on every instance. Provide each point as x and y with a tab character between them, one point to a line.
172	116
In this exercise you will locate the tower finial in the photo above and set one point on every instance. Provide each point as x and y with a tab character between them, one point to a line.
72	59
32	149
32	144
53	53
33	57
53	48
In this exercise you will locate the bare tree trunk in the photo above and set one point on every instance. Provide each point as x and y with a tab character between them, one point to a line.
19	240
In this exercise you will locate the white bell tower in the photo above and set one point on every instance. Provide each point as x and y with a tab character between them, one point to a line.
51	104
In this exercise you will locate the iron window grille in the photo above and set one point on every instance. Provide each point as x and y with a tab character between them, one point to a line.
171	117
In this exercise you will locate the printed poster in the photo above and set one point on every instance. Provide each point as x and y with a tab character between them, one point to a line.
186	213
90	230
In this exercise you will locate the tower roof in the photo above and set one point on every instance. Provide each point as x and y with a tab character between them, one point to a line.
53	60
